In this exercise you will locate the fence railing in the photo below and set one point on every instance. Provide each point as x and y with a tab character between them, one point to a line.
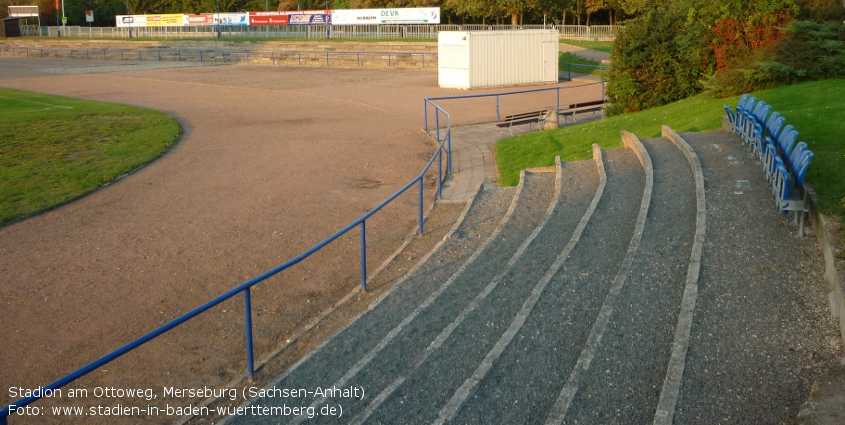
582	69
594	32
447	129
244	288
389	59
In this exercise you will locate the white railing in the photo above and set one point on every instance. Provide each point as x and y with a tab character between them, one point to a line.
594	32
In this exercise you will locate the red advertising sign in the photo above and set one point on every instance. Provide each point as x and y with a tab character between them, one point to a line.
268	18
200	19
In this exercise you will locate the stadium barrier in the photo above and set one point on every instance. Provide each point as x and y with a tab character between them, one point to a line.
583	32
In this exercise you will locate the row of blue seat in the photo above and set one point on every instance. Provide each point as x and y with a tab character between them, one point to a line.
785	163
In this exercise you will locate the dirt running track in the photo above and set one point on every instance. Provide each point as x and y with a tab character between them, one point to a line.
272	160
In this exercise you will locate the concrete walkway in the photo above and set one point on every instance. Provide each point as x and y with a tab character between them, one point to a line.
585	53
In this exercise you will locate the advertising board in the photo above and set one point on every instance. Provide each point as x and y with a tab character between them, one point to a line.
233	19
171	19
414	15
134	21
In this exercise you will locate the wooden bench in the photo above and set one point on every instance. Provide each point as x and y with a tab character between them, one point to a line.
524	118
591	106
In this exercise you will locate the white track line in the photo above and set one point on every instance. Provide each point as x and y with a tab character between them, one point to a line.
458	399
564	400
367	358
444	335
665	413
39	103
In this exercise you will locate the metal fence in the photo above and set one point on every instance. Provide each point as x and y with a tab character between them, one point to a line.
595	32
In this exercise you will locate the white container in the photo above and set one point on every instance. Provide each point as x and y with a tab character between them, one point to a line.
471	60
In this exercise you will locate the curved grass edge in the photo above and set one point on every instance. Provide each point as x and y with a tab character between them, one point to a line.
55	150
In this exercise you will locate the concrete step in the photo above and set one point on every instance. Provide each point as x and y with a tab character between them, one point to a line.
524	383
355	345
627	370
369	59
761	331
467	339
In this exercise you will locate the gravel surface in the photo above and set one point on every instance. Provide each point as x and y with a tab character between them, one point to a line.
761	330
626	375
326	365
428	387
511	387
570	302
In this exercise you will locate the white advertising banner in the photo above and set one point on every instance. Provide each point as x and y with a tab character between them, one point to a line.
416	15
235	19
131	21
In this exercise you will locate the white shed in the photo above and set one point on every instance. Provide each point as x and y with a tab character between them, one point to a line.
478	59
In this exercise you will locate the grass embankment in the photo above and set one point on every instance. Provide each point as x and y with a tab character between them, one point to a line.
816	109
55	149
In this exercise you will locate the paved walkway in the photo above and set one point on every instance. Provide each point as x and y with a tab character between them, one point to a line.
585	53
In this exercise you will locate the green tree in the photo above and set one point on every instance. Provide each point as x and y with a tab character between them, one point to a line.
653	62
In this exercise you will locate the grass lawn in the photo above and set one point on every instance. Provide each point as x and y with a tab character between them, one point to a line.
602	46
816	109
54	149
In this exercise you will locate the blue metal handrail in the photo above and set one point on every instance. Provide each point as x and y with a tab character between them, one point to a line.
245	289
202	54
569	66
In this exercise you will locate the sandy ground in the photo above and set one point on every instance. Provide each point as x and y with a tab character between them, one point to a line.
272	161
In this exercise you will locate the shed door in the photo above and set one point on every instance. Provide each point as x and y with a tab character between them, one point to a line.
550	66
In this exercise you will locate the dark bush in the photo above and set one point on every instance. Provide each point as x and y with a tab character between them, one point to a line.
656	60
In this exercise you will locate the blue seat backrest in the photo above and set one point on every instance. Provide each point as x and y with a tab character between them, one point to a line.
803	164
742	101
749	104
775	125
797	154
763	114
787	142
783	133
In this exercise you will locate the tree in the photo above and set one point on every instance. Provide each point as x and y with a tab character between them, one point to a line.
656	60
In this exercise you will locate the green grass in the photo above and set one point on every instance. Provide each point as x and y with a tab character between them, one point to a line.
816	109
55	149
602	46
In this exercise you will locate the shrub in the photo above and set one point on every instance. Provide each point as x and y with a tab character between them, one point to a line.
655	61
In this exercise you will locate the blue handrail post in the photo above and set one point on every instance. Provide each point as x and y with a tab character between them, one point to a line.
569	71
437	123
439	173
449	146
421	205
364	255
498	116
425	115
250	365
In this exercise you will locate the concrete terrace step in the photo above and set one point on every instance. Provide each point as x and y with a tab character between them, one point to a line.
398	351
345	350
759	334
625	377
426	388
525	382
369	59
